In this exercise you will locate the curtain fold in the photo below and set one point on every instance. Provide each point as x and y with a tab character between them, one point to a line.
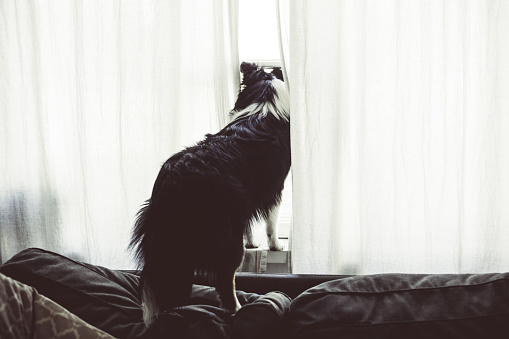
400	146
94	97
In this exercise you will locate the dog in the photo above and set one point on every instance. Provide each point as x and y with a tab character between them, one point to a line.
206	197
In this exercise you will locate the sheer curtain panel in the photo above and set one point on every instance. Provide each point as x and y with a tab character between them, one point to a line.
94	97
400	136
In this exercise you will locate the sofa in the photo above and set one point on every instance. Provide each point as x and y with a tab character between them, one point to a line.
273	305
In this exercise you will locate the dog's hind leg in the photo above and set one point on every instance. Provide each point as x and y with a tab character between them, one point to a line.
163	290
272	238
179	282
250	242
225	286
225	279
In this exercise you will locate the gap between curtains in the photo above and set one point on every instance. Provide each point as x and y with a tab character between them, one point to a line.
94	97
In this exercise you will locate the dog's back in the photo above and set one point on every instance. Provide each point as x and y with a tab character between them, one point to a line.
206	196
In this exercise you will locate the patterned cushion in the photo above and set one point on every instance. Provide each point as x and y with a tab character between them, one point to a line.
24	313
107	299
405	306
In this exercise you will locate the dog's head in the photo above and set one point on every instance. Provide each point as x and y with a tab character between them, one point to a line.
262	92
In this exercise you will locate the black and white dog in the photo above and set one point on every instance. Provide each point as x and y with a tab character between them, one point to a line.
206	197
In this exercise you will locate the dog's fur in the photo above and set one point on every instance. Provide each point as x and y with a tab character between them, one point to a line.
206	197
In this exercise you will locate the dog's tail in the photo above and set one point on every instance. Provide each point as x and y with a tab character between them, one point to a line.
165	278
139	245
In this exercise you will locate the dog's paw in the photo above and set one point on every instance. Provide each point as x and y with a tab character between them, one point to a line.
237	306
232	308
252	244
275	245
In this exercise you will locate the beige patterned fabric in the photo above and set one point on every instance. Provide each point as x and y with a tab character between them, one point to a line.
24	313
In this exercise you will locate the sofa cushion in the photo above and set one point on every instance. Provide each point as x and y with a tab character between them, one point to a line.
109	299
404	306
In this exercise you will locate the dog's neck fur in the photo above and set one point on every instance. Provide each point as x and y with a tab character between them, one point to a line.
279	106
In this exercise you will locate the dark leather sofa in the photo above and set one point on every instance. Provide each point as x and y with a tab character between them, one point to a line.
280	305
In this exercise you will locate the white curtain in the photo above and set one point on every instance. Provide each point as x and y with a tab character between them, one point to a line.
94	97
400	136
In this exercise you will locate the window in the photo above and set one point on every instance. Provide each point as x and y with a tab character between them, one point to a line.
258	37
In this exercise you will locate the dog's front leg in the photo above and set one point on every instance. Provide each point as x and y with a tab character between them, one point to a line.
250	241
272	238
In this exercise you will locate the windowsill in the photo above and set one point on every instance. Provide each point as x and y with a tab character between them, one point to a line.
267	63
263	260
274	257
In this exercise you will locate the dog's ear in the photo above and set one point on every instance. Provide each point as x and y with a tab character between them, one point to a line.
278	73
248	68
249	71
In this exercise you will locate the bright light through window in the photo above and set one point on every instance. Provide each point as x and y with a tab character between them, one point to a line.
258	37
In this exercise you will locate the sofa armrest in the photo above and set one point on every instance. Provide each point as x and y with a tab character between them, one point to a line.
290	284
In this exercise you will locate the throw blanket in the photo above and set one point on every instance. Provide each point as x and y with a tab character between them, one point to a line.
24	313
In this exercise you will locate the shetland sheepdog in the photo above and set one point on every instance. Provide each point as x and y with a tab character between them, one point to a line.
206	197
